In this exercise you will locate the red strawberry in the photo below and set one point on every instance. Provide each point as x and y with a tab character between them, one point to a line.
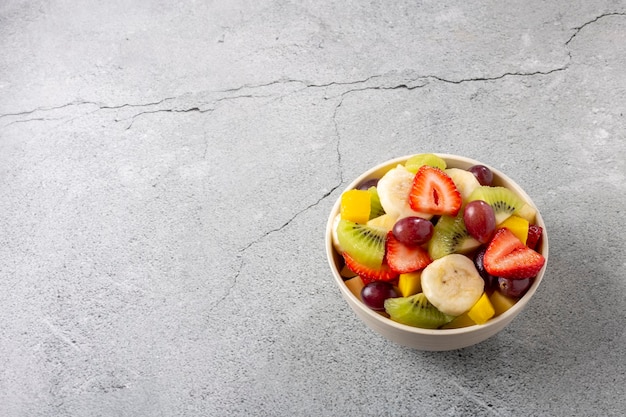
534	234
367	274
402	258
434	192
507	257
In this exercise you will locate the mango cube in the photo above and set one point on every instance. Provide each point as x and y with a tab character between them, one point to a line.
410	283
482	311
461	321
356	206
355	285
518	226
500	302
346	272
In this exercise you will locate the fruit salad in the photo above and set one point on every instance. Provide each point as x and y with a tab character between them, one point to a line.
433	246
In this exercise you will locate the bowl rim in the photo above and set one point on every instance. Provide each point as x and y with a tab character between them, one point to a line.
384	321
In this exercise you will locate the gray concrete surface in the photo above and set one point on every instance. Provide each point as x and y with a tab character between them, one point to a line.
167	168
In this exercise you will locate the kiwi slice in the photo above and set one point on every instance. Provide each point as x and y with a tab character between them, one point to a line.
416	311
450	236
414	163
376	209
365	244
503	201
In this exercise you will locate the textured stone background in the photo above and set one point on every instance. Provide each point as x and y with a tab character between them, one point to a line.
167	169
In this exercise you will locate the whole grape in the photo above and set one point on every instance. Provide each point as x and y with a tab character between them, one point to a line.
480	220
490	280
482	174
366	185
375	293
513	287
413	231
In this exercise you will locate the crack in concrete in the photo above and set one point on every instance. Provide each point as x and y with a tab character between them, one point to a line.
242	252
499	77
189	110
340	83
594	20
306	84
100	106
44	109
337	146
401	86
230	288
194	109
244	249
121	106
410	85
255	86
35	119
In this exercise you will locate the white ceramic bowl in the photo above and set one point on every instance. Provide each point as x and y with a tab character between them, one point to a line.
437	339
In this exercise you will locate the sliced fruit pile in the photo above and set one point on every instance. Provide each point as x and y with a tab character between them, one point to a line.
437	247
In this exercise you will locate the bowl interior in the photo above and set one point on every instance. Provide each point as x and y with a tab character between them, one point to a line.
384	325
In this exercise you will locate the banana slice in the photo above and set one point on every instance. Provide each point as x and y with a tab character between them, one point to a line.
394	189
452	284
464	180
336	244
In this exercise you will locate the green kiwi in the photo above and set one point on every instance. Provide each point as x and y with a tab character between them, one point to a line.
376	209
450	236
414	163
416	311
503	201
365	244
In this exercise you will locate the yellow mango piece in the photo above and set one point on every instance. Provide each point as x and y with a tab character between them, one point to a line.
356	206
500	302
386	221
355	285
346	272
482	311
410	283
518	226
463	320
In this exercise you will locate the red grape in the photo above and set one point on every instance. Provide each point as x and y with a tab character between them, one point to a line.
482	174
490	280
413	231
375	293
513	287
366	185
480	220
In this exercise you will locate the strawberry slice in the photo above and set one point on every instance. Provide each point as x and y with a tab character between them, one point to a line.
383	273
507	257
534	234
402	258
434	192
